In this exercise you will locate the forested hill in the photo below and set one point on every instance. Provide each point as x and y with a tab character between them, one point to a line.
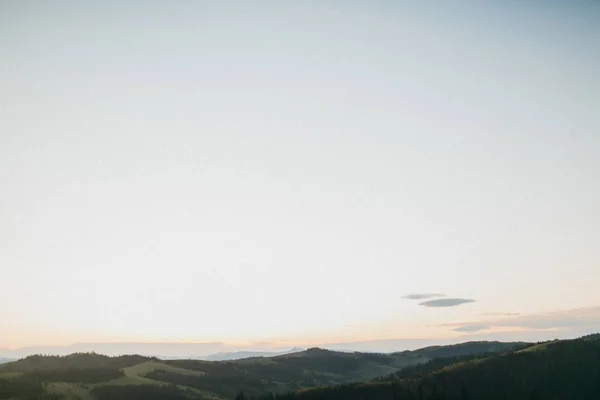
464	349
73	361
558	370
92	376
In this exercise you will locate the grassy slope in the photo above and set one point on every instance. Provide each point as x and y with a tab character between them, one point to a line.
10	375
145	367
74	390
135	376
70	391
536	347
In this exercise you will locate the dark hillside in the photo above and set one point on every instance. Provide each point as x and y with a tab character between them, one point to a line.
558	370
468	348
24	390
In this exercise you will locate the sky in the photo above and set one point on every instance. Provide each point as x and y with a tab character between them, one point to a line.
281	173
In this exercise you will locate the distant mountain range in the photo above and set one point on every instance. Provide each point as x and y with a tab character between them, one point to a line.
164	351
238	355
208	351
221	351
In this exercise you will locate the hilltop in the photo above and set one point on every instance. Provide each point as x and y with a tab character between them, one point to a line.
238	355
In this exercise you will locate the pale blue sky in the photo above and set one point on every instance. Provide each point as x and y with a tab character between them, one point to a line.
288	171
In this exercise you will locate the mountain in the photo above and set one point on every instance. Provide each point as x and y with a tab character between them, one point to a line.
565	369
5	360
90	375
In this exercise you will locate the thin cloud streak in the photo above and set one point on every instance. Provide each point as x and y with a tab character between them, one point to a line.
471	328
587	318
452	302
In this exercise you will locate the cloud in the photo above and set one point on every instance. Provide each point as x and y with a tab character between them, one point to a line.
452	302
580	319
422	296
471	328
